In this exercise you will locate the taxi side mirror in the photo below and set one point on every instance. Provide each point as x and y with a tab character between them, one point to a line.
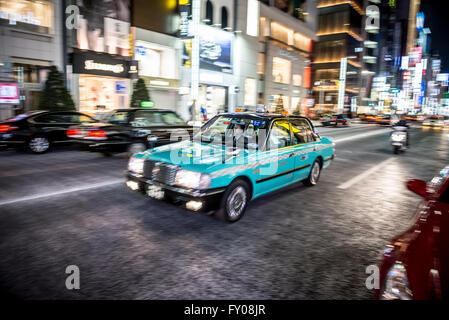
419	187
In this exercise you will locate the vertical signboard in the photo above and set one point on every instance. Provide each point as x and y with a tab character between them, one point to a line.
342	86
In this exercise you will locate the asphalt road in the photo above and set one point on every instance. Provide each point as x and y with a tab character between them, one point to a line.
72	208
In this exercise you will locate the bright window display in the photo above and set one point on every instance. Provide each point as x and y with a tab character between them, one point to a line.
281	70
103	93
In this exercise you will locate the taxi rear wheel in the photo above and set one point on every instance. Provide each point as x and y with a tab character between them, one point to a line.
314	174
234	202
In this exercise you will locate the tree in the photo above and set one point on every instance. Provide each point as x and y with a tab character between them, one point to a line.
55	96
140	93
279	106
297	111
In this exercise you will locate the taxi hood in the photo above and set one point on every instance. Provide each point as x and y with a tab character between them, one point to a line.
195	155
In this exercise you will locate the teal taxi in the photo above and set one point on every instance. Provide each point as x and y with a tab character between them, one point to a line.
232	159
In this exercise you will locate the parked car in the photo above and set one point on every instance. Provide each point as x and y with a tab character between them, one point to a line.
416	263
434	121
39	130
131	130
336	120
235	157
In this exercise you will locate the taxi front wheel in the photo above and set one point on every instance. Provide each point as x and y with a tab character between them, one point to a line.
234	202
314	174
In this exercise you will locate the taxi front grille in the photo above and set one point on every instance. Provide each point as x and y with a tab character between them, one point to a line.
160	172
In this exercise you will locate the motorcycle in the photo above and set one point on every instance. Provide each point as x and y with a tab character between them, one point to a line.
399	140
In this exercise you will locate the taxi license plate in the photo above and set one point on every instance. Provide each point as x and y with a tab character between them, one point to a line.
155	192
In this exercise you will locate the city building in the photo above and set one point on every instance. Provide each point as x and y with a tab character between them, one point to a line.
338	56
31	41
100	65
386	55
287	36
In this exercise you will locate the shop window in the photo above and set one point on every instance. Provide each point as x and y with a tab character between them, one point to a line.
296	104
250	92
31	73
156	60
280	101
281	33
297	80
209	13
36	16
281	70
224	17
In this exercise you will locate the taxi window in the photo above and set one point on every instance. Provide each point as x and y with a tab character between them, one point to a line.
302	132
119	117
147	119
279	135
225	128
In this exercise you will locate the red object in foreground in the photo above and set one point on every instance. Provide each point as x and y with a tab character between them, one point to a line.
416	263
7	128
97	134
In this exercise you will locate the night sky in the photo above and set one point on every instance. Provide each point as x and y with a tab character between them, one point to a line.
437	19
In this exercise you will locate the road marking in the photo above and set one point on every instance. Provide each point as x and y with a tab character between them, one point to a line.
361	136
365	174
58	193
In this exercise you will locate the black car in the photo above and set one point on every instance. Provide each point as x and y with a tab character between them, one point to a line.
131	130
335	120
39	130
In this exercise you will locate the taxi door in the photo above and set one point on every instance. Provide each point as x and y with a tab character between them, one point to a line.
305	143
277	162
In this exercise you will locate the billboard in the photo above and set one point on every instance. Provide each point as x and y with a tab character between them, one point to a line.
9	93
215	49
91	32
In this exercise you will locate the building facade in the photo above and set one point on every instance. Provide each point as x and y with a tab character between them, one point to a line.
100	66
338	56
286	42
31	42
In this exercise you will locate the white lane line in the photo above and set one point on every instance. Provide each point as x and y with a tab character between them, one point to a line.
365	174
58	193
361	136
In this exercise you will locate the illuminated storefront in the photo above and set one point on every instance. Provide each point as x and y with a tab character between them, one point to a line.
102	82
36	16
159	58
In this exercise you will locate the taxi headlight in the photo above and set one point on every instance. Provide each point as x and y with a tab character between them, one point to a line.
192	179
136	165
396	285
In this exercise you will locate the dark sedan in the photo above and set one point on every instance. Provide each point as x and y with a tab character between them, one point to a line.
39	130
335	120
131	130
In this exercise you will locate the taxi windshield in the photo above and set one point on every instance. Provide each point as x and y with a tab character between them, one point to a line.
227	128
